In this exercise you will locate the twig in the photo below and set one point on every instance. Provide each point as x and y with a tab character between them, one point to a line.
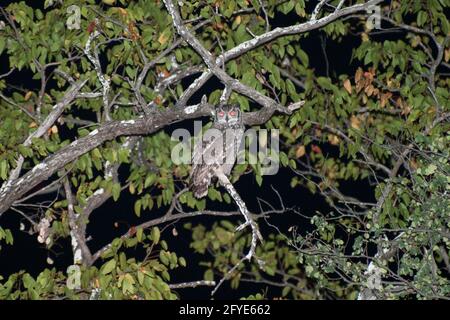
192	284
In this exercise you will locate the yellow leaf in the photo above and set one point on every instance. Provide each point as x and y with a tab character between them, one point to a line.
300	152
54	129
364	99
123	11
333	139
318	133
162	38
415	41
109	2
28	95
364	37
355	122
348	86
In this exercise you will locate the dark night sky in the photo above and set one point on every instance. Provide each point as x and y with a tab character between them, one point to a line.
28	254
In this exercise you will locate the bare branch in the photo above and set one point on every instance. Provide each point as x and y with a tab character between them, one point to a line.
110	130
56	112
192	284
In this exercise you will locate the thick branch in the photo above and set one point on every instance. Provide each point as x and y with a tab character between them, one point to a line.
109	131
56	112
270	36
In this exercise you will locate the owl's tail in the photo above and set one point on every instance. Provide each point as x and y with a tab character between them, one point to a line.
199	182
199	190
201	177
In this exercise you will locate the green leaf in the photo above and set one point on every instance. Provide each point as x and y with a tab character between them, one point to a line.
284	159
115	191
325	83
259	180
209	275
137	207
164	257
285	291
108	267
127	284
155	234
2	44
3	169
422	18
430	169
151	178
303	57
139	234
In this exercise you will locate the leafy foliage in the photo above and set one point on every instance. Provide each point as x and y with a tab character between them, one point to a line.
383	122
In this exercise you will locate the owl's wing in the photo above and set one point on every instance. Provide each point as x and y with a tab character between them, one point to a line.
206	161
202	172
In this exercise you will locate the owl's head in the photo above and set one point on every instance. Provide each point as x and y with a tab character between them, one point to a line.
228	115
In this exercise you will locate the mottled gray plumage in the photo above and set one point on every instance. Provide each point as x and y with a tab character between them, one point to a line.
217	153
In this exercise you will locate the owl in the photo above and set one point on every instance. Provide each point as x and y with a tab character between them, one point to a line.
219	148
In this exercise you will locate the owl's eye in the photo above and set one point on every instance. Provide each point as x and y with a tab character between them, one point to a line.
221	114
232	113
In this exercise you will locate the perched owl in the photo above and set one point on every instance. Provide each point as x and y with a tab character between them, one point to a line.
218	150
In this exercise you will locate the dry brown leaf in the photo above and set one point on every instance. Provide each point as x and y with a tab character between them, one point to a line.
316	149
413	164
385	98
368	75
369	90
157	100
